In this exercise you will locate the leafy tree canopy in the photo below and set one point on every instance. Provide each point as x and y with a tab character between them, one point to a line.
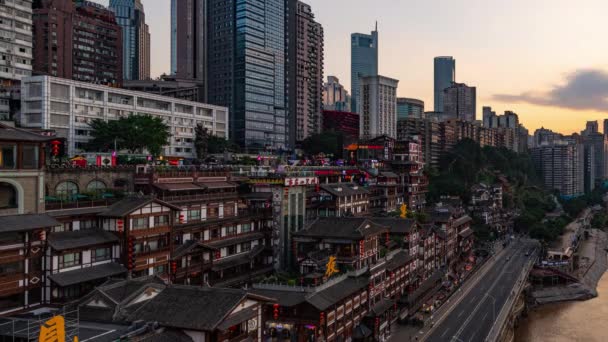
328	143
133	133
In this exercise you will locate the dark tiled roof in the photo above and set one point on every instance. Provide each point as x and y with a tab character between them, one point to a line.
396	225
344	189
440	216
188	246
178	186
76	212
87	274
242	259
120	290
400	258
333	294
388	174
130	204
466	233
237	318
462	220
283	298
9	133
189	307
381	307
235	240
20	223
165	335
351	228
80	238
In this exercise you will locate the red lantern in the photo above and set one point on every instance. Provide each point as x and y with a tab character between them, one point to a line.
55	147
362	247
173	267
275	311
322	318
181	218
218	254
42	235
377	323
120	225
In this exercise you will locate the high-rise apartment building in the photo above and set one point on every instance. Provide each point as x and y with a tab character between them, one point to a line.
305	112
605	127
335	96
77	40
409	108
596	144
363	61
15	52
131	17
378	107
591	127
445	75
562	166
460	102
246	47
189	37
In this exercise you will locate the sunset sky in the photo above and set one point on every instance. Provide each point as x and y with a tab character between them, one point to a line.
547	60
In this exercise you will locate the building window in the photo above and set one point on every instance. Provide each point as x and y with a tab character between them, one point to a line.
231	230
140	223
246	227
212	212
11	268
194	215
29	157
231	250
66	189
162	220
96	186
69	260
88	224
8	196
160	269
101	254
246	246
8	156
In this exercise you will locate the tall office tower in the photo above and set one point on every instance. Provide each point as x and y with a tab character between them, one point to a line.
459	102
445	75
15	52
304	84
335	96
131	17
605	127
490	120
409	108
77	40
189	38
562	166
591	127
363	61
246	55
378	107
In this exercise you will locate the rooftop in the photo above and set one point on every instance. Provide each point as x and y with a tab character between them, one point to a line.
20	223
351	228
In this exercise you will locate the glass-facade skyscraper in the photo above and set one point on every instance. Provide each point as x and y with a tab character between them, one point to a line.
131	17
445	75
363	61
246	49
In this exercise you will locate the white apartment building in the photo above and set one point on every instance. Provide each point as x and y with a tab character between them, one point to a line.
377	107
15	49
68	106
15	39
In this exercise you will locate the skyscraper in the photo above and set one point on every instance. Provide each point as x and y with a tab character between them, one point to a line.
409	108
378	107
304	76
131	17
188	39
16	53
363	61
445	75
460	102
246	49
77	40
335	97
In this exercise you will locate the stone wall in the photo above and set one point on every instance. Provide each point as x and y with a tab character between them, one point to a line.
114	178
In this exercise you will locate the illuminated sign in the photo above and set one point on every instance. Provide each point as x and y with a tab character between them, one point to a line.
331	267
301	181
53	330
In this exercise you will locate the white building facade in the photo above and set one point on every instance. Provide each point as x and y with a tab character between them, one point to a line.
68	106
377	107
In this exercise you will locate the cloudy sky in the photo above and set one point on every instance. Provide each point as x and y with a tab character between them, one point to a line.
547	60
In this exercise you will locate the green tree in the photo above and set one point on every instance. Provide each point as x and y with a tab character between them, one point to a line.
133	133
201	141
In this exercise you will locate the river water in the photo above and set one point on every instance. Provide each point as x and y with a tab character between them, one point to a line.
568	322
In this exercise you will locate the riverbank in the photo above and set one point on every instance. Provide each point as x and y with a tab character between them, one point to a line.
568	321
592	265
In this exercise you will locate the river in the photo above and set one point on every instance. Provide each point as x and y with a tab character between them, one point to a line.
568	322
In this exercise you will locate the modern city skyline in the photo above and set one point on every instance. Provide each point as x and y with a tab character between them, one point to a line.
363	61
495	71
444	75
131	17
